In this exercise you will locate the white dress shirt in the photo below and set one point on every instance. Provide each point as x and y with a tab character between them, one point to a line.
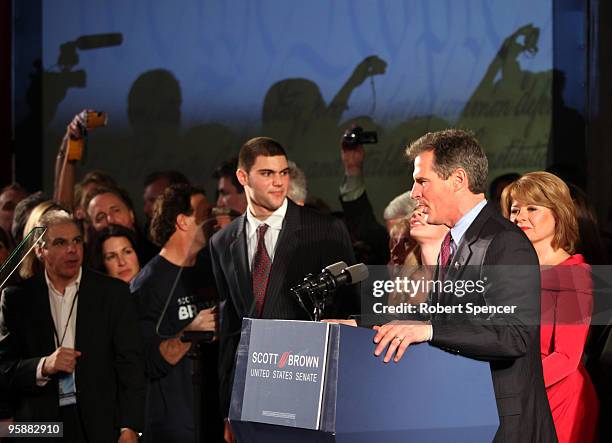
65	324
275	223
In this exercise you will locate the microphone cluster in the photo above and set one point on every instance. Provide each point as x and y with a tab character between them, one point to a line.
312	293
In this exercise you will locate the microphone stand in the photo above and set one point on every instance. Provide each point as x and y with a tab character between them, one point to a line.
319	305
317	296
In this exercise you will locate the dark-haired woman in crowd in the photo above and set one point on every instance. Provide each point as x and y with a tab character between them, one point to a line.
115	253
540	204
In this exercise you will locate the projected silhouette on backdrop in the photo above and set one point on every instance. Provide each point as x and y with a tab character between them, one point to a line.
510	109
154	112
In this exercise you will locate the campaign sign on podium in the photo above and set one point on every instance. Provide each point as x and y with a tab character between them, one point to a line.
285	373
307	382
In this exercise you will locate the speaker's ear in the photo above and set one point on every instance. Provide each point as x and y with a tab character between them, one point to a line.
460	178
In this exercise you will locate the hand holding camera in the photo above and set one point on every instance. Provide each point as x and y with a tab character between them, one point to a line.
358	137
77	131
352	153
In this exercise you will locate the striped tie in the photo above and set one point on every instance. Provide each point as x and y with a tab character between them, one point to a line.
261	269
445	254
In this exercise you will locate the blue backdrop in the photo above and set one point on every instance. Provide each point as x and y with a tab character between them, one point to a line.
193	79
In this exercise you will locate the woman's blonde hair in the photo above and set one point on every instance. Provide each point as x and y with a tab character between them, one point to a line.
413	258
411	263
546	189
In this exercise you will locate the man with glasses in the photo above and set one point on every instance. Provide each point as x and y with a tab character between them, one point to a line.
69	344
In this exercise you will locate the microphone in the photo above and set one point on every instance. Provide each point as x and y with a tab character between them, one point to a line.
353	274
336	268
333	277
315	289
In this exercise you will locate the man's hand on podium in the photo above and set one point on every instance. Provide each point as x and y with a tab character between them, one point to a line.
342	322
398	335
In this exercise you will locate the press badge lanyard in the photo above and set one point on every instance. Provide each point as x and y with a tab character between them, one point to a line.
67	388
59	342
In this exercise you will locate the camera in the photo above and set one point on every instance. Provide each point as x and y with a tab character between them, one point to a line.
96	119
93	119
357	136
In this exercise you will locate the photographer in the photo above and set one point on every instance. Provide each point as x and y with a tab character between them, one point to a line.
370	239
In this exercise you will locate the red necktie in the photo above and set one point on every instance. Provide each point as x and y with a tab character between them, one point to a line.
261	269
445	254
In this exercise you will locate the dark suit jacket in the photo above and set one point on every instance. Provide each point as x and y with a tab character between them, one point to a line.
497	252
370	239
109	373
308	242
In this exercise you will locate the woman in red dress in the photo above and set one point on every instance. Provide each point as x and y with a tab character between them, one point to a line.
540	204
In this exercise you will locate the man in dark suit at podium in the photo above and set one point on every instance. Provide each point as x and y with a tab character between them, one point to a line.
271	247
450	171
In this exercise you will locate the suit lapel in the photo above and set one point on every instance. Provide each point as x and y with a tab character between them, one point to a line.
242	273
85	312
43	312
285	247
462	257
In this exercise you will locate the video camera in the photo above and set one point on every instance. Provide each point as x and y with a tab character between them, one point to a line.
357	136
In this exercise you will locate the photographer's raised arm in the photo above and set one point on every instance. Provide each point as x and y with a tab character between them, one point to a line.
71	151
65	163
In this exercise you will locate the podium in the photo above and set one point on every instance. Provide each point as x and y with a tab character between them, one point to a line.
299	381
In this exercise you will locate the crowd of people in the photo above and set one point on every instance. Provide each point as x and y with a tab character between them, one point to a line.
108	318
